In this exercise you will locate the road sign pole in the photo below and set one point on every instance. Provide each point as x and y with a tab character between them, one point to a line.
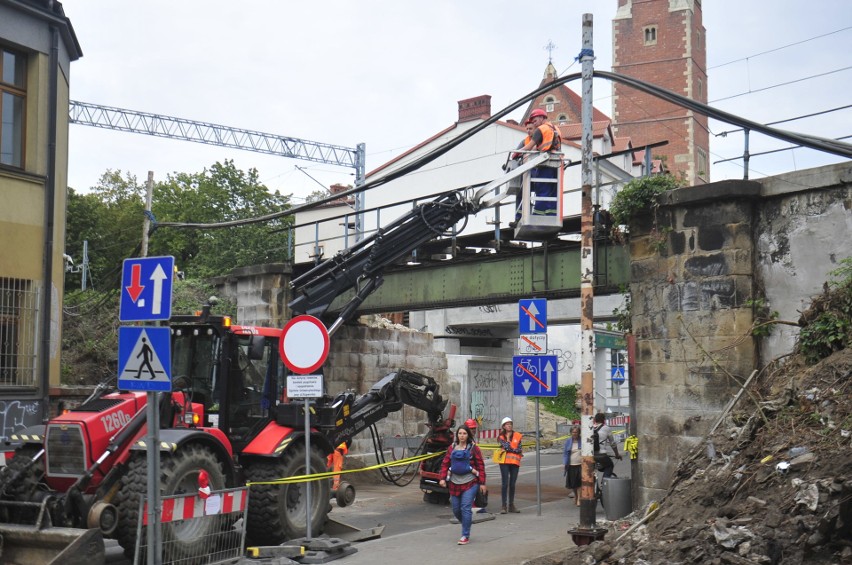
155	544
307	468
537	458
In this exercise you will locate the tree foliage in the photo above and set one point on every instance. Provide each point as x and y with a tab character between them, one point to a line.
110	217
219	194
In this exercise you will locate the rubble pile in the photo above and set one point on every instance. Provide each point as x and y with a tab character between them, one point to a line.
769	486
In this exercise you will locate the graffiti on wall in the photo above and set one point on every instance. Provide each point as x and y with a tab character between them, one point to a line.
564	358
491	394
16	415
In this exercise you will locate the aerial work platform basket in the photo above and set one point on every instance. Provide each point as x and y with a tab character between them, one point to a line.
540	200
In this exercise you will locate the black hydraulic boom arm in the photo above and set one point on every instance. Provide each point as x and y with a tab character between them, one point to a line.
361	266
395	390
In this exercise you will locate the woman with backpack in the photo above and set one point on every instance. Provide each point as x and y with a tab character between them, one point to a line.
464	474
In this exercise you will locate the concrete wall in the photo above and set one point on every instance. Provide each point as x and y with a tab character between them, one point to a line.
260	292
730	242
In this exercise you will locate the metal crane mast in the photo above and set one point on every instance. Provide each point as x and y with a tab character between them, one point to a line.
170	127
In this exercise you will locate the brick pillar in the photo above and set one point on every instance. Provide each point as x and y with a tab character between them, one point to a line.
689	291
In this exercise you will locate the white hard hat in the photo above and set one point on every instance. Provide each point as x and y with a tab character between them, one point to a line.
506	419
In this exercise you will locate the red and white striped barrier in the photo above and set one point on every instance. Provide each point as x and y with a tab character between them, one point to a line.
176	508
488	434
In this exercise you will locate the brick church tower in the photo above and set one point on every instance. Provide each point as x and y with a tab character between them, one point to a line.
663	42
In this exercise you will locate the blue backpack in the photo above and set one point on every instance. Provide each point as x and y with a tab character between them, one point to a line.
460	461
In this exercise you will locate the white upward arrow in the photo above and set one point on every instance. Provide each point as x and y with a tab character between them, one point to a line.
548	370
158	276
533	313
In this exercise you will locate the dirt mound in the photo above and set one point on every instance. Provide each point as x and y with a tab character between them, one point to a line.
773	489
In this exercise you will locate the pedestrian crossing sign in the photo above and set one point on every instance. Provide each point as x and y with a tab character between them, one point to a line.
144	359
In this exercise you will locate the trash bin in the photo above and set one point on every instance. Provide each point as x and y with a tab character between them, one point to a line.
616	496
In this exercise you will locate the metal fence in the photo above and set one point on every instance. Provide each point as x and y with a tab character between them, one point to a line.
197	531
19	332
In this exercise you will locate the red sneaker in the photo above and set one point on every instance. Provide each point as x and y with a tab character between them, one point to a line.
464	541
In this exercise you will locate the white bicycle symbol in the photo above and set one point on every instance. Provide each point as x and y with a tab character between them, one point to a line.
526	368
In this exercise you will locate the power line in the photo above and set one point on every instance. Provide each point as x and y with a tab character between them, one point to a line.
779	48
803	116
782	84
772	151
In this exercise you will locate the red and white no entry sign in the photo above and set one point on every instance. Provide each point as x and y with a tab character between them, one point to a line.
304	344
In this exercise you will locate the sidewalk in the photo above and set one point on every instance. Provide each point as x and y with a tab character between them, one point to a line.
507	539
417	532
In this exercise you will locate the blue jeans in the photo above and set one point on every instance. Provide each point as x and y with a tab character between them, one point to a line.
509	476
462	508
544	207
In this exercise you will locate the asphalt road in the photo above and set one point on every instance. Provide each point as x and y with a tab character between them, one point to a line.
401	510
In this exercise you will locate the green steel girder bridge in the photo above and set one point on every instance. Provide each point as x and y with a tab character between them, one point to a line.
475	276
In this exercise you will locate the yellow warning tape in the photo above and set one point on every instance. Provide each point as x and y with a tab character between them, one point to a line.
397	463
329	474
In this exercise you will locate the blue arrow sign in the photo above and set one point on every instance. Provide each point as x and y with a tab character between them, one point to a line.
144	358
532	316
618	375
535	375
146	289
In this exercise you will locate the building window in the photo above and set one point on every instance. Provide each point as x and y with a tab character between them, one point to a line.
650	35
18	332
563	118
702	163
549	100
700	91
12	97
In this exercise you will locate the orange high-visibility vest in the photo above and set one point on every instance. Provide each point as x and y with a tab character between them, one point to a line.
550	138
334	461
514	443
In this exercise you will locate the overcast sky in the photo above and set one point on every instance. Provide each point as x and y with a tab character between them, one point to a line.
389	73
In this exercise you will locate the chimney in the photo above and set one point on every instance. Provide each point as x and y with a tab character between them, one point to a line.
478	107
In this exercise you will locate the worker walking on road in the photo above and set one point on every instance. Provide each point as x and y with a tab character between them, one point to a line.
510	442
334	461
464	474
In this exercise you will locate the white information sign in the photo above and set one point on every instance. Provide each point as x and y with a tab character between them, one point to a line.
304	386
532	344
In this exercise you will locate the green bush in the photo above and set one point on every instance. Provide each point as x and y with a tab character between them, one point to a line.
564	404
826	324
640	195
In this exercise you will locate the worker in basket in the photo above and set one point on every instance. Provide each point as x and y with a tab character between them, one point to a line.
544	137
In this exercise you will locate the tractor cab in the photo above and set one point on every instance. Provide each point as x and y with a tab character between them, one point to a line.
539	193
232	371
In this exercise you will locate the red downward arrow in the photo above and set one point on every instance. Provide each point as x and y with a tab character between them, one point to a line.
135	289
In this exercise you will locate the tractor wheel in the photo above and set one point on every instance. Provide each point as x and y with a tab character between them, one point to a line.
276	513
24	486
185	540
